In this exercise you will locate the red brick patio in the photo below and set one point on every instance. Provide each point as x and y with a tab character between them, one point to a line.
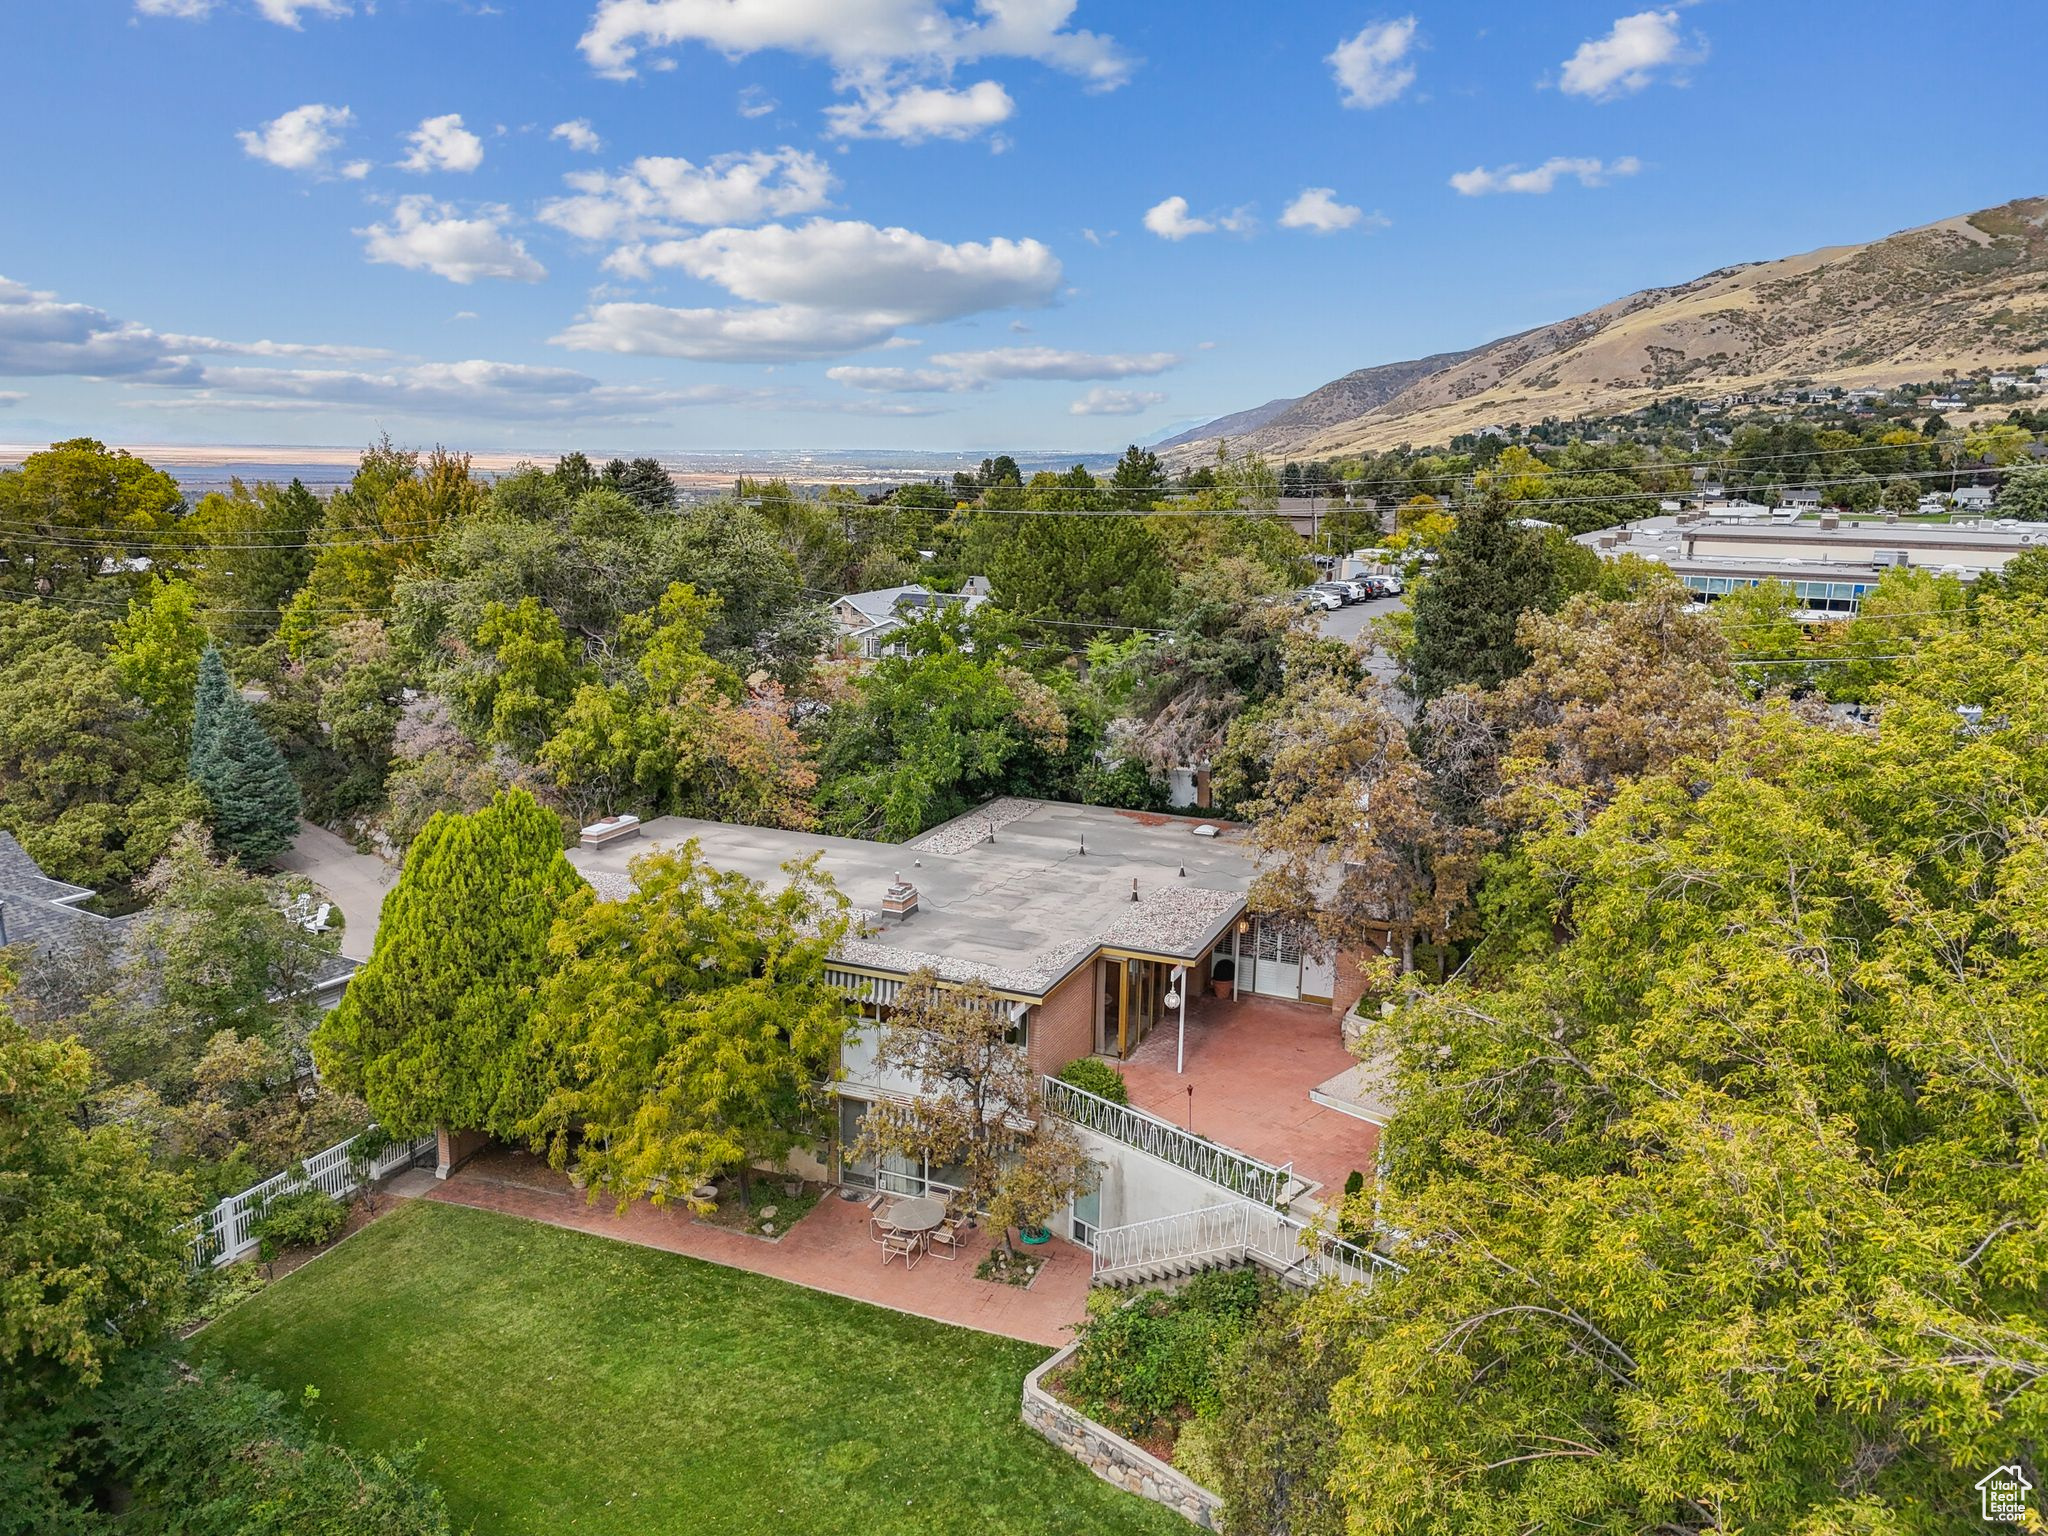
1252	1063
828	1250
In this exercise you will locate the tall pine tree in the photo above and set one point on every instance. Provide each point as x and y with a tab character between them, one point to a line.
1493	571
430	1030
254	801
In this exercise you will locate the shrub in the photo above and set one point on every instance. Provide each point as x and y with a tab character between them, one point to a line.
304	1219
1097	1077
1354	1184
1152	1363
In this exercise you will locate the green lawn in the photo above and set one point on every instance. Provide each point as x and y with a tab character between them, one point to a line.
567	1383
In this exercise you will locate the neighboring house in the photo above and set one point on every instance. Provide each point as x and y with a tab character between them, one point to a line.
49	917
1972	498
1086	921
1801	499
868	621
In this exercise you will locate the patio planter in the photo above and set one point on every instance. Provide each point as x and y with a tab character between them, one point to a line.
1222	986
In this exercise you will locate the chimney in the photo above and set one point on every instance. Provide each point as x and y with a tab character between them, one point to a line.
900	900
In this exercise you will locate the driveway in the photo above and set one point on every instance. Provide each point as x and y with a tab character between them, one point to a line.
354	882
1351	622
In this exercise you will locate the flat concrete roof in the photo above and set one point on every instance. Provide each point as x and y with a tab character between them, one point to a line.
1020	912
2011	536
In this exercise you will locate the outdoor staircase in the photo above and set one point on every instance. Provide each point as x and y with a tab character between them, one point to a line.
1229	1234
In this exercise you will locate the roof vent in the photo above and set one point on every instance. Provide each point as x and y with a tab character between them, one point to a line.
900	900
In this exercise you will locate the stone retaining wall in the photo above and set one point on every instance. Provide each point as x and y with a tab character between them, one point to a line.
1110	1456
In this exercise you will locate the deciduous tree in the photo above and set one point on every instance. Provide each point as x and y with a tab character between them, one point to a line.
976	1111
685	1029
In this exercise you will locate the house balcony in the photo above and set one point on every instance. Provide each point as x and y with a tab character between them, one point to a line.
1269	1078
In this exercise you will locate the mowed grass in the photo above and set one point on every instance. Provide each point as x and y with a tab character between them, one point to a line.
561	1382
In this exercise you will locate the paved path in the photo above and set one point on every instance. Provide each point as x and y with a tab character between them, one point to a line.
354	882
829	1250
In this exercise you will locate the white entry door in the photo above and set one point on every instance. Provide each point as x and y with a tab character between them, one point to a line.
1276	969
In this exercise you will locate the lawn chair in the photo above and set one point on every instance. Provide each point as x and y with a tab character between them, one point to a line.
946	1235
878	1217
909	1245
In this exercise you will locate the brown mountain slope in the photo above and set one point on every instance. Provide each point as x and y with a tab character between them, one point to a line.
1961	294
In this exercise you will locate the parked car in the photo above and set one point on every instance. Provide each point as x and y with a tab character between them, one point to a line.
1339	590
1317	598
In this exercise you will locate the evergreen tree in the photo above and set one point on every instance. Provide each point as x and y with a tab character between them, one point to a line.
1492	572
254	801
429	1028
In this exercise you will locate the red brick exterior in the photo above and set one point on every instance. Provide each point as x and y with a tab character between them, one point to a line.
457	1148
1063	1026
1350	983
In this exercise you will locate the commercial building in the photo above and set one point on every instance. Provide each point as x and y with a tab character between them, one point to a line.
1830	562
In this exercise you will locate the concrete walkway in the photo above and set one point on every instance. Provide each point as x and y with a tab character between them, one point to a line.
829	1250
354	882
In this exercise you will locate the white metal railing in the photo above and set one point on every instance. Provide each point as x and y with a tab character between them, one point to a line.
226	1232
1242	1174
1234	1232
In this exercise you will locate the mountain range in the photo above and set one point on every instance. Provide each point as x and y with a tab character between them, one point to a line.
1963	293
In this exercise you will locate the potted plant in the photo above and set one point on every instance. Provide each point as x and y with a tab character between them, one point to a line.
1223	977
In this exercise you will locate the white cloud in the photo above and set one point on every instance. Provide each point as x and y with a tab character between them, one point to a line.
476	386
43	336
960	372
1479	181
443	144
847	266
1628	57
912	114
1116	402
430	236
1169	220
905	381
755	102
1317	209
823	289
10	397
1052	363
1372	68
779	333
864	39
657	194
578	135
302	139
285	13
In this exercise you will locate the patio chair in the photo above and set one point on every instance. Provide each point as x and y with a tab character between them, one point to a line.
945	1235
909	1245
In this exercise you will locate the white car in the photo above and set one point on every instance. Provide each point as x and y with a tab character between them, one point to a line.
1316	597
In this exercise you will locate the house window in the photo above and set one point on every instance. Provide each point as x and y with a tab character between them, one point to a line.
894	1175
1086	1218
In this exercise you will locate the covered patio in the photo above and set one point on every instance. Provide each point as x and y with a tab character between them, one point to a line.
1253	1064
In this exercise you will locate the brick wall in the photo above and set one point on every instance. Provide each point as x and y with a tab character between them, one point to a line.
1064	1025
1350	984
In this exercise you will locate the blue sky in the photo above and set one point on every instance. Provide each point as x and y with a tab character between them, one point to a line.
1025	224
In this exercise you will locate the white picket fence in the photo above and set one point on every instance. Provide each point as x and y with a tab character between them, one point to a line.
225	1233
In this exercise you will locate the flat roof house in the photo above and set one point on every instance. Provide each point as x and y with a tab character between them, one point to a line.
1104	932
